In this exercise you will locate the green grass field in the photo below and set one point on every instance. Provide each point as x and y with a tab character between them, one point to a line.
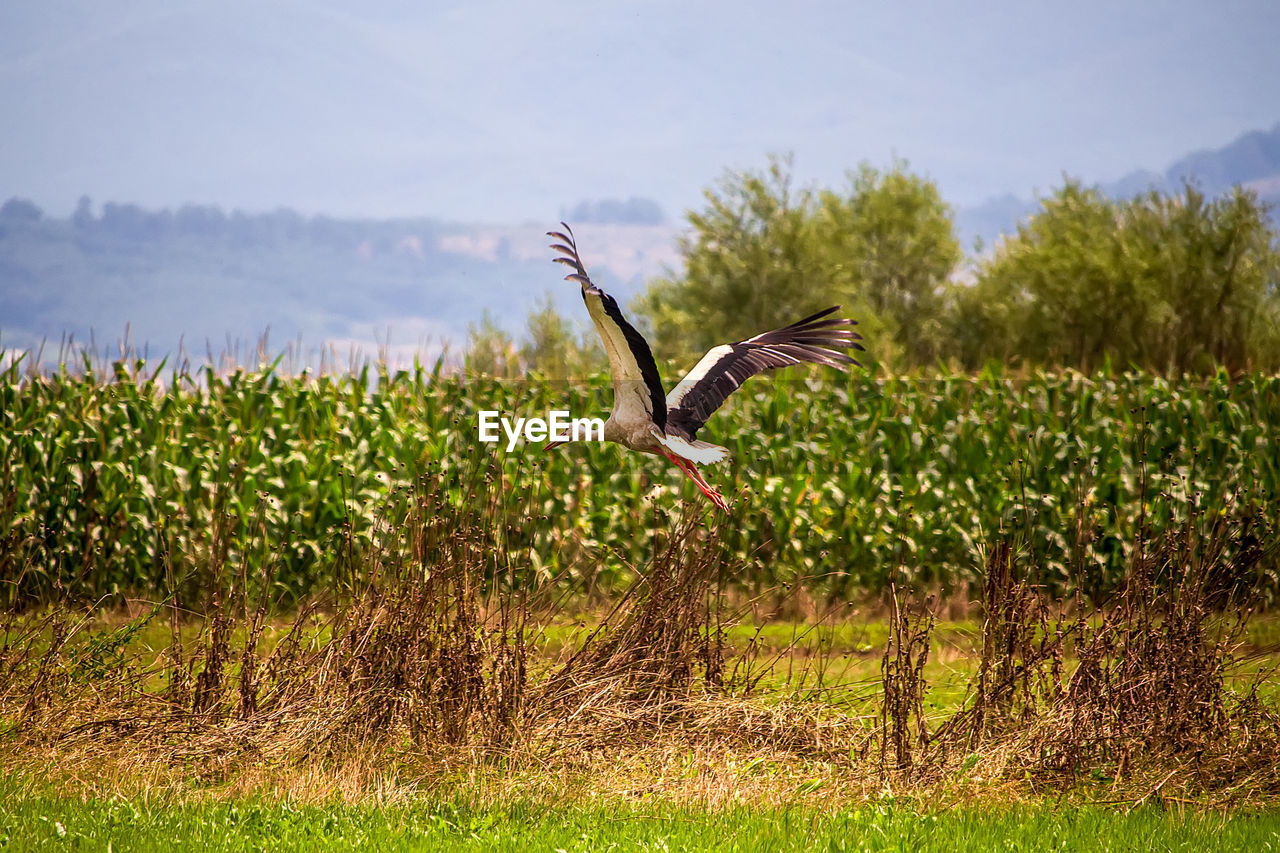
31	819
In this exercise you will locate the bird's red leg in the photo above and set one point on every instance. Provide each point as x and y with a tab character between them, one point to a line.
694	474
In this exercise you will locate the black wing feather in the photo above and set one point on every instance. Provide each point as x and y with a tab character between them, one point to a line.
817	339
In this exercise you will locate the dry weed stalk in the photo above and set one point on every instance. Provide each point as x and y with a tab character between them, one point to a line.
660	634
426	655
1150	681
902	720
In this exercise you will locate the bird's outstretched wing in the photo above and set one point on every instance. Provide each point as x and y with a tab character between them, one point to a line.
817	339
636	384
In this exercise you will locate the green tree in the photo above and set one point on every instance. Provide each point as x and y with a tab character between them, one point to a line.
490	351
1052	293
1166	282
749	263
900	236
1210	276
764	253
552	349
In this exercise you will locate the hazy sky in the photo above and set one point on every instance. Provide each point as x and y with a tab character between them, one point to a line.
509	111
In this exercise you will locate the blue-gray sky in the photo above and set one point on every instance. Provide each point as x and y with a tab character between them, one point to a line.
508	111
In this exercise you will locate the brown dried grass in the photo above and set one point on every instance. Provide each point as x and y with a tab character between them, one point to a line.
424	673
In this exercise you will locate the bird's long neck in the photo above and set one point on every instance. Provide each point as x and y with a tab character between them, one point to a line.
613	431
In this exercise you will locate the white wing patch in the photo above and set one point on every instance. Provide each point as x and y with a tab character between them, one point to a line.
697	452
701	369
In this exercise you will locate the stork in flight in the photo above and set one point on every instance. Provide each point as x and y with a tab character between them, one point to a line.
643	420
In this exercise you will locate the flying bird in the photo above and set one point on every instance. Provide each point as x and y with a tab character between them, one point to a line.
644	419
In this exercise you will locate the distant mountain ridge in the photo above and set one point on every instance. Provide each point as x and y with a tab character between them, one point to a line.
1251	160
198	274
210	281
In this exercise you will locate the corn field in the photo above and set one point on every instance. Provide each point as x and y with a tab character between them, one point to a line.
124	478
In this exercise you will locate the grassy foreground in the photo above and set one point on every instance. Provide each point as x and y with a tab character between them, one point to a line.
34	818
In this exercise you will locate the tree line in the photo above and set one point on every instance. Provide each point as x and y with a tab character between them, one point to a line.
1168	282
115	226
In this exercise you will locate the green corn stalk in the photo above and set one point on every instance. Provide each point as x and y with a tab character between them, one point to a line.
118	478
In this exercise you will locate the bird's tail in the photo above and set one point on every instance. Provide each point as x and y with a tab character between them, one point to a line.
697	452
